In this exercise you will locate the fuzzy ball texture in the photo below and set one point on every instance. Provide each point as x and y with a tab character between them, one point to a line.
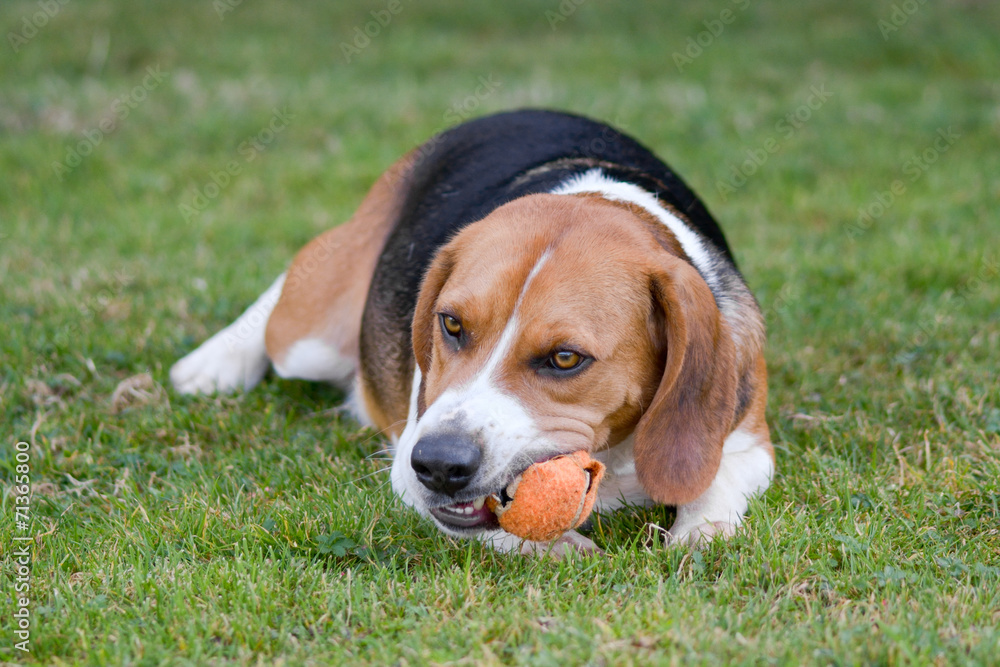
550	497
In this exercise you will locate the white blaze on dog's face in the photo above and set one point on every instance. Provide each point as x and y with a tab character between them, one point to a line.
537	332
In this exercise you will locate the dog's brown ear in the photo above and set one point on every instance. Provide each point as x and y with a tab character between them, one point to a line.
425	318
678	440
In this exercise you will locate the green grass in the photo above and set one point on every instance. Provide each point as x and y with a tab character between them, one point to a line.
260	528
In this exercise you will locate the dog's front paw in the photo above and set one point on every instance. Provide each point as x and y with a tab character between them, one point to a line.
702	533
568	543
224	363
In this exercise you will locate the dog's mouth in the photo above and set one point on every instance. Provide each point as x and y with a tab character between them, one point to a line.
471	516
466	517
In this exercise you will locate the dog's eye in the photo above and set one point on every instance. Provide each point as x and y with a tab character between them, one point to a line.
451	325
563	363
566	360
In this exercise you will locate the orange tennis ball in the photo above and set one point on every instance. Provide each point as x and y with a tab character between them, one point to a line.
549	498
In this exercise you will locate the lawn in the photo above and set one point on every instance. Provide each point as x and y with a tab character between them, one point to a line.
161	161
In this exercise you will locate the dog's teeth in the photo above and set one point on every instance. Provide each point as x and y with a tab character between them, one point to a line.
512	487
478	503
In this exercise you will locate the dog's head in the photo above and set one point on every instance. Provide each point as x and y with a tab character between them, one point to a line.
560	323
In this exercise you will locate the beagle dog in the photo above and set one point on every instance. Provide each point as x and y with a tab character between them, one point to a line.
524	285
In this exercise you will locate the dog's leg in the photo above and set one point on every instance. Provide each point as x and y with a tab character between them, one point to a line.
567	543
746	470
315	330
234	358
307	324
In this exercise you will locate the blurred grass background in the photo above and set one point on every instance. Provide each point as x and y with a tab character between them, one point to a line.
259	528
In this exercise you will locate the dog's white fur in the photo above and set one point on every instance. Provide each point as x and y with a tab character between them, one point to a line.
234	358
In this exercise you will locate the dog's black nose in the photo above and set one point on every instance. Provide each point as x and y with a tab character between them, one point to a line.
445	462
